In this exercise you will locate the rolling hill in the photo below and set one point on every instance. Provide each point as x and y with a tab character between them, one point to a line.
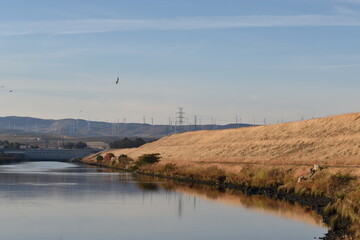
333	141
84	128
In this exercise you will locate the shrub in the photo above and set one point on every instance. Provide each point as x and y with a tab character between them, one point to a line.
125	160
335	222
127	143
149	158
122	156
80	145
169	167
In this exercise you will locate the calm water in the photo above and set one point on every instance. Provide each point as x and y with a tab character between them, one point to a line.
54	200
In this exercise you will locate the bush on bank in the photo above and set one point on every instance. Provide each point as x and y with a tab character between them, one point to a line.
99	158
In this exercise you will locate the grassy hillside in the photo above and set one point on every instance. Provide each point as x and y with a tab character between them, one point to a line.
331	141
218	157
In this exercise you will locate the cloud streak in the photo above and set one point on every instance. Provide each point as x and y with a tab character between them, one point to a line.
191	23
340	66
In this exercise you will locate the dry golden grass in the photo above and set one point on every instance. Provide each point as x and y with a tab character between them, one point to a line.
327	141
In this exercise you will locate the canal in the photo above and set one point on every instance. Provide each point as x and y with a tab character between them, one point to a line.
66	201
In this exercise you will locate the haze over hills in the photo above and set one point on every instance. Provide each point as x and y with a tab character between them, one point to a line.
331	141
84	128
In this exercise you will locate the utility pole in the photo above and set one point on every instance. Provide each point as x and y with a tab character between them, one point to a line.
170	126
144	120
152	127
124	120
195	122
112	129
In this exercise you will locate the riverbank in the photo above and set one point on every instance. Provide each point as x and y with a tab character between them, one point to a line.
325	141
273	182
315	159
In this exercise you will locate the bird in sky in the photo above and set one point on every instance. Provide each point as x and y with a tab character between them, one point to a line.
11	91
117	80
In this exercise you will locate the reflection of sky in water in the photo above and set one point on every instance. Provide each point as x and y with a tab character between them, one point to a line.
68	201
36	166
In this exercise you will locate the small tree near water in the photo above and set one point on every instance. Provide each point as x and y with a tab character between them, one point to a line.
149	158
99	158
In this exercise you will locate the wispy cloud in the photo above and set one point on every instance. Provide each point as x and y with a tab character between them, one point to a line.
344	10
340	66
350	1
192	23
344	1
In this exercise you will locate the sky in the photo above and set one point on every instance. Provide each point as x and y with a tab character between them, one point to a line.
258	61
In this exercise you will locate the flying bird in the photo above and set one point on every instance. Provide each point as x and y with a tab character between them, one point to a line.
11	91
117	80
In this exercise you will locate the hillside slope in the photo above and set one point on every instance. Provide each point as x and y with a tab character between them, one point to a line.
332	141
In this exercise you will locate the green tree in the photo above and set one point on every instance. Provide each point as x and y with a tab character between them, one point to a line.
149	158
99	158
127	143
80	145
69	145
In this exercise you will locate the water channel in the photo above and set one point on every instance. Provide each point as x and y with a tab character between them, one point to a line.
66	201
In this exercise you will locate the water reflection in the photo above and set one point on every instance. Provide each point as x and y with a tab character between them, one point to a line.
257	203
49	200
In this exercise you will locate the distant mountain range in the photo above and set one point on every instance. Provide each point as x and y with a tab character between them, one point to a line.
83	128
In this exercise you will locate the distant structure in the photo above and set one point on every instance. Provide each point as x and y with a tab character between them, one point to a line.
180	119
56	154
195	123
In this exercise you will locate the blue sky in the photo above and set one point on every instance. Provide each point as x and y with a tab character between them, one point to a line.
279	60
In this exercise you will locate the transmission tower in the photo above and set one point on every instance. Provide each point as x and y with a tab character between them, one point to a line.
180	119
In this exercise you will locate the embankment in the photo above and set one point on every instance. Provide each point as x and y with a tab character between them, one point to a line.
327	141
268	160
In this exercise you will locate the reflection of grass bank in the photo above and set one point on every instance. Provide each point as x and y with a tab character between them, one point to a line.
336	196
258	203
